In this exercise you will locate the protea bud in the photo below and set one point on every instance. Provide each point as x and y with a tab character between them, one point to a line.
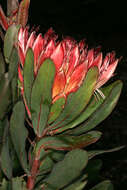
73	63
18	14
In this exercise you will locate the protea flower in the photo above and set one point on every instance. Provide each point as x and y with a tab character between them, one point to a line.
72	61
18	14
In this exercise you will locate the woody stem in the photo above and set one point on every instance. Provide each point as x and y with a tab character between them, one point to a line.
32	177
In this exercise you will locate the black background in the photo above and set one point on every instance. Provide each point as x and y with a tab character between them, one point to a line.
102	23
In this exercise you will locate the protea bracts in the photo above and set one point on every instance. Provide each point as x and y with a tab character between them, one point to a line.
72	61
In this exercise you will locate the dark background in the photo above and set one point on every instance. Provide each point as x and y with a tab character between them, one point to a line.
100	22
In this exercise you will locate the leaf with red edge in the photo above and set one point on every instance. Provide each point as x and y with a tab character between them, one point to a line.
102	110
41	97
66	142
28	75
91	108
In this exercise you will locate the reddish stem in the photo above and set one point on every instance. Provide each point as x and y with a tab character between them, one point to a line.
32	177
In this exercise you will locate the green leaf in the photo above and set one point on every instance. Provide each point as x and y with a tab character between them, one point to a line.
92	106
5	95
10	40
105	185
18	183
78	185
56	109
94	153
76	102
19	133
41	97
82	140
2	126
5	185
28	75
93	168
5	161
67	170
47	162
2	64
13	66
46	165
102	111
67	142
48	143
57	155
14	89
6	144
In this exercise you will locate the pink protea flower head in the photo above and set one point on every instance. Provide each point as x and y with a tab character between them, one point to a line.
72	61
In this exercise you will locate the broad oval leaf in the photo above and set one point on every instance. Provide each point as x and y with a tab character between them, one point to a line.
41	97
19	133
10	40
67	170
